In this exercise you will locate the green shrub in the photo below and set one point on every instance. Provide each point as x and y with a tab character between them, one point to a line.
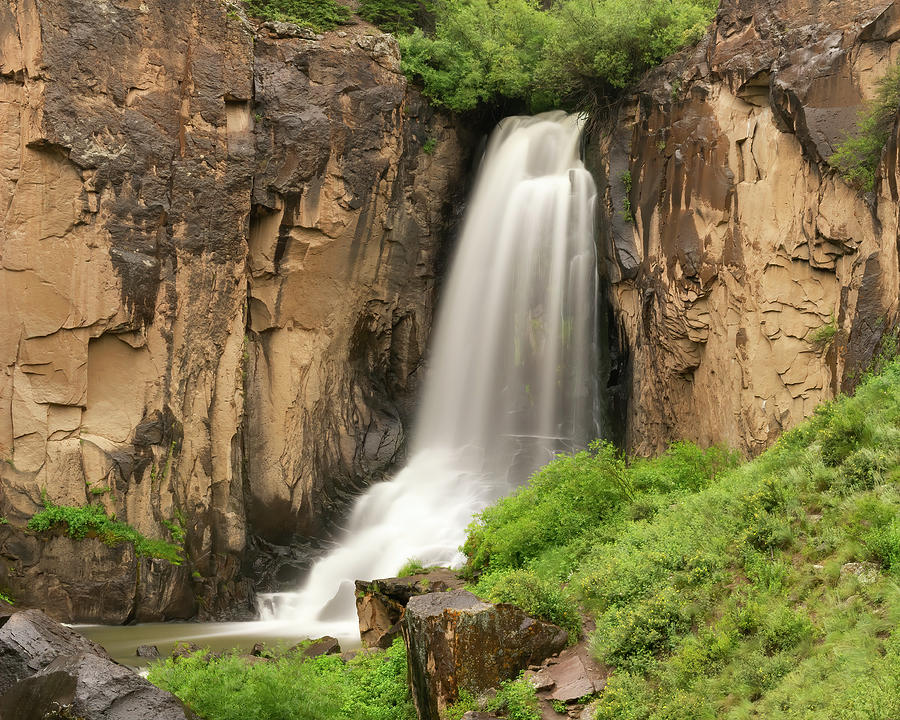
884	544
857	157
78	522
397	16
516	699
562	500
315	14
784	629
822	337
543	599
371	686
571	54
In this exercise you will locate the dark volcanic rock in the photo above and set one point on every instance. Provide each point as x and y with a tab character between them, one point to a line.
147	651
322	646
457	642
90	687
380	603
29	641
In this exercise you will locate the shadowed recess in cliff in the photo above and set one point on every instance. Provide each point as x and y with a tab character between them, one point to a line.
512	376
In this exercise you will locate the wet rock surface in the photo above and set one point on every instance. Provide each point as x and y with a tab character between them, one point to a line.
380	604
30	641
457	642
48	670
219	256
744	241
89	687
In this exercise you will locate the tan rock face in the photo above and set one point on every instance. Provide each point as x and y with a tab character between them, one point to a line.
217	259
744	243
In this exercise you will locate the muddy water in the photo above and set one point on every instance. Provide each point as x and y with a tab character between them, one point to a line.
121	641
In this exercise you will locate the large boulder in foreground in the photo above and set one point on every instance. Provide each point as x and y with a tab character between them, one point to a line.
30	641
457	642
380	604
89	687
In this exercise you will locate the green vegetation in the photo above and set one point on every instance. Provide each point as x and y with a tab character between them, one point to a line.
371	686
397	16
515	700
626	203
6	598
315	14
414	566
79	522
857	157
570	55
766	590
429	147
823	336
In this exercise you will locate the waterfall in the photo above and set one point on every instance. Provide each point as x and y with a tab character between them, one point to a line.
511	375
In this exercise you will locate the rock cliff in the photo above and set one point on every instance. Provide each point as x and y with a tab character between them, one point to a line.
218	251
743	241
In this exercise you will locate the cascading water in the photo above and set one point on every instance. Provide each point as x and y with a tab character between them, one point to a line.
511	376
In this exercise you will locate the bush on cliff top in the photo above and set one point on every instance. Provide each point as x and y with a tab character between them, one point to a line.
570	55
767	590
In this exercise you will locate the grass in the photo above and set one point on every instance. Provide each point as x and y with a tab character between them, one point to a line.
371	686
79	522
414	566
858	155
721	590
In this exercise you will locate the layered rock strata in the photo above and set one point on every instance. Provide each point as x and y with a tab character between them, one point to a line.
750	282
218	247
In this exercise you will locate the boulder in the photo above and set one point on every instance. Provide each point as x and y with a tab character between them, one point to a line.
30	641
570	676
322	646
457	642
380	603
150	652
89	687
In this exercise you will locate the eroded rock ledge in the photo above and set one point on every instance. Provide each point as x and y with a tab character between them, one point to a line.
217	260
743	241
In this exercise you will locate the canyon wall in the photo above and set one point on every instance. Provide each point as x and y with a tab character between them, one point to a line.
749	282
218	251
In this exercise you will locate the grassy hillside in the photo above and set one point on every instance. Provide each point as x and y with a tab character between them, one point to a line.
769	590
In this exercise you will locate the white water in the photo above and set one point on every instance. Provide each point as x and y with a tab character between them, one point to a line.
511	374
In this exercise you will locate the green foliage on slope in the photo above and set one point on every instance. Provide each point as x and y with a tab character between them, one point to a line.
315	14
857	157
371	686
79	522
767	590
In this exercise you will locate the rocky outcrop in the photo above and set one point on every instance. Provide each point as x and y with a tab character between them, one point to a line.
744	242
49	671
89	687
457	642
30	641
380	604
217	256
